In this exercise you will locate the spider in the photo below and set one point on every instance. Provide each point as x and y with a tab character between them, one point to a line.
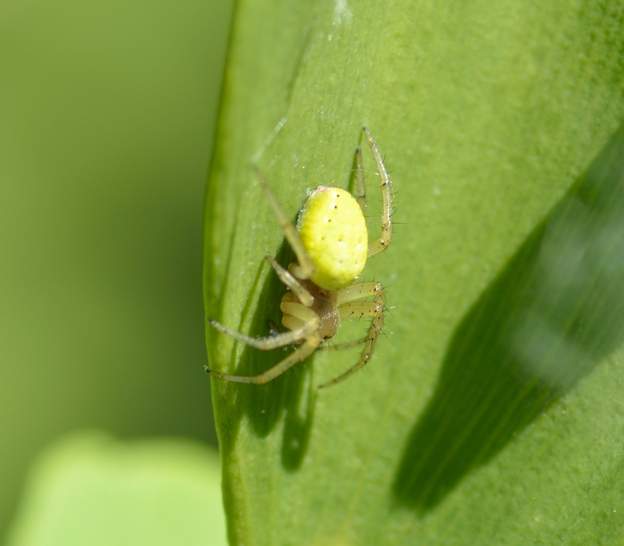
331	245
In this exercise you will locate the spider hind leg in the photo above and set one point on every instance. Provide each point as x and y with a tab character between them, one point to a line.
352	306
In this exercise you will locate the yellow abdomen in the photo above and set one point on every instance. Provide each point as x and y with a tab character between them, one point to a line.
333	232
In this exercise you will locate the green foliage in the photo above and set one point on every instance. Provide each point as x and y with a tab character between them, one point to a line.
92	490
491	412
106	119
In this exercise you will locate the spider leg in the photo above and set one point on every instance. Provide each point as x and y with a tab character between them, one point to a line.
295	315
291	282
298	355
302	321
340	346
353	308
360	183
386	192
270	342
304	268
358	291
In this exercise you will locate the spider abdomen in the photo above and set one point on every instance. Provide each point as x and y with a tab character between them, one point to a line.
333	231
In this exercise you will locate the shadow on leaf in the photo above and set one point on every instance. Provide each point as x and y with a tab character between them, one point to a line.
551	315
290	396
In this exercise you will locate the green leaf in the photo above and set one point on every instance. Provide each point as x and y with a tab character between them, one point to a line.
491	411
93	490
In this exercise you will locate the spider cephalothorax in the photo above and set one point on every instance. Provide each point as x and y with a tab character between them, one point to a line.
331	246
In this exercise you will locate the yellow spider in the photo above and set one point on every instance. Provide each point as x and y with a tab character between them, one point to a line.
331	246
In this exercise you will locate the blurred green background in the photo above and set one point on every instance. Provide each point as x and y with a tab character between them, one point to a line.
107	112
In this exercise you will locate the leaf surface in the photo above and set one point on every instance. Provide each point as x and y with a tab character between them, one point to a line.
491	411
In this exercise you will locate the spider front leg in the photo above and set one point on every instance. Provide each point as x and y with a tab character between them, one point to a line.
291	282
304	268
350	306
386	192
360	183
